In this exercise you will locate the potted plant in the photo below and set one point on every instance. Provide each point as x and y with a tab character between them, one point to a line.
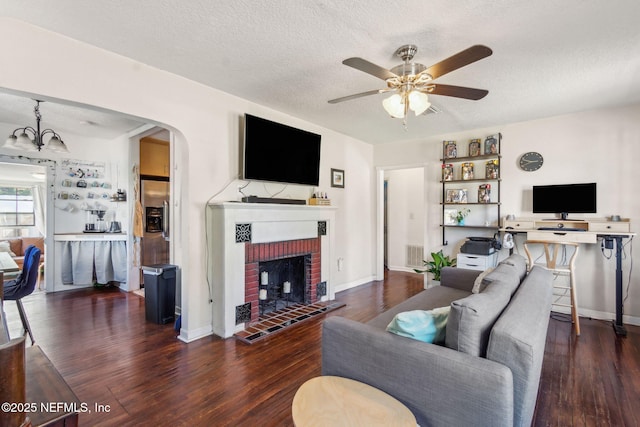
439	260
461	215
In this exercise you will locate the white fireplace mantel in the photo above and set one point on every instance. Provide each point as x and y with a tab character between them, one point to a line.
231	224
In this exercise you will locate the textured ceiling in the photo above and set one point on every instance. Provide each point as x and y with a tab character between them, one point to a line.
550	57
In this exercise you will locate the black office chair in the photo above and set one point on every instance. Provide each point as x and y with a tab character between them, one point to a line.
24	284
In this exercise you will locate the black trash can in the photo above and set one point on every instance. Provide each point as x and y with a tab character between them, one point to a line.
160	292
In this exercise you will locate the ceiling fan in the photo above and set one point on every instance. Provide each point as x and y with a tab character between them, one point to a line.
410	82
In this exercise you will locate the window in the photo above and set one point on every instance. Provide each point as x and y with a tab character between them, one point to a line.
16	207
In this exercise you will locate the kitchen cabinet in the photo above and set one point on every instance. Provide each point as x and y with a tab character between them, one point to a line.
154	157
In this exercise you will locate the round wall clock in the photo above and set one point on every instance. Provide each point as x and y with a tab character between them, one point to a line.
531	161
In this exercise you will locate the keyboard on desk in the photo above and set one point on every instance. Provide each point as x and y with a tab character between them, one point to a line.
560	229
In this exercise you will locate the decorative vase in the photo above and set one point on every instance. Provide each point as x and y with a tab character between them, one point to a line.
461	221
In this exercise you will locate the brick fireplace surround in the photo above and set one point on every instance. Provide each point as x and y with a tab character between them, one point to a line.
260	252
240	235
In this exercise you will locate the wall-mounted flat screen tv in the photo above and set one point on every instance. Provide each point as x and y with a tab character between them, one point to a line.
565	199
280	153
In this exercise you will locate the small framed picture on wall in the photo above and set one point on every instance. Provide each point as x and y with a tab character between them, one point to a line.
337	178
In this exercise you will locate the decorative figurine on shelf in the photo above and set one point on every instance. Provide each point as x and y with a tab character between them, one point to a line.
474	147
484	193
491	144
467	171
450	150
492	169
447	172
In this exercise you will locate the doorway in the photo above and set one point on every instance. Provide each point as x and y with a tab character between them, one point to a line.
24	202
154	198
401	213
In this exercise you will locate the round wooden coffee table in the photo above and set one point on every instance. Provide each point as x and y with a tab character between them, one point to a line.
335	401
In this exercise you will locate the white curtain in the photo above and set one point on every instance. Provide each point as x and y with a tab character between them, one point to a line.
39	207
81	260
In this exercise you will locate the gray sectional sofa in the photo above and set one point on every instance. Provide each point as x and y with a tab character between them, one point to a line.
488	371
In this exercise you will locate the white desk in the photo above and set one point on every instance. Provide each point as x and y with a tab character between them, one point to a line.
590	231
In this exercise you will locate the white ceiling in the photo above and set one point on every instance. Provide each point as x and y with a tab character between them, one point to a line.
19	173
18	111
550	57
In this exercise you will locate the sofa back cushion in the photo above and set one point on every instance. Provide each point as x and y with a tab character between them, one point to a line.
518	338
6	247
15	246
38	242
471	318
519	263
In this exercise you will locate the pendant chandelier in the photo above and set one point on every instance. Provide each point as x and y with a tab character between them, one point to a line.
32	139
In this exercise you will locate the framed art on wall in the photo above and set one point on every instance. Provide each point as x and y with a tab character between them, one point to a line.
337	178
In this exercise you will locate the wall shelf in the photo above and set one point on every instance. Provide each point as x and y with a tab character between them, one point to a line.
455	168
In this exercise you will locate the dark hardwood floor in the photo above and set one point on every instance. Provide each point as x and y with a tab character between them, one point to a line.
109	355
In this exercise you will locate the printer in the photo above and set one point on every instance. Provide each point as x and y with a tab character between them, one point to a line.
480	246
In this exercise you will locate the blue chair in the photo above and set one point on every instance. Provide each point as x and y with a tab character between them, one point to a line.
24	284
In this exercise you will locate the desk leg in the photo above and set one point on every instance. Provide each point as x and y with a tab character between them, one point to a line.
618	325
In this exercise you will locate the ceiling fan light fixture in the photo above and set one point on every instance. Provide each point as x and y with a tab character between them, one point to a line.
394	106
418	102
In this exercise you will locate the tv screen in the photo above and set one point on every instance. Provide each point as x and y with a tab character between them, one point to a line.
280	153
565	198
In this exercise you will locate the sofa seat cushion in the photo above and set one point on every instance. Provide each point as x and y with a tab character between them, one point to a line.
472	317
438	296
422	325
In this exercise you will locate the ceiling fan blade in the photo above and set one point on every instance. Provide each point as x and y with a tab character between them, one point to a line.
459	60
459	91
358	95
369	68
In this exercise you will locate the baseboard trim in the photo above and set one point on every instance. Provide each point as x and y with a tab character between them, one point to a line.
195	334
600	315
353	284
399	268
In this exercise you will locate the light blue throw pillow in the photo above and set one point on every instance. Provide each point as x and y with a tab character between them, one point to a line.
428	326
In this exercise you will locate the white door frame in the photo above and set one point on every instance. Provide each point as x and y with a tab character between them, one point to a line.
380	170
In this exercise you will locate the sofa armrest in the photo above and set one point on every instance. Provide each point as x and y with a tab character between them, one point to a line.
442	387
459	278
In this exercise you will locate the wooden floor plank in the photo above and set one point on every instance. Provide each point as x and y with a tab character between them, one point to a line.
108	354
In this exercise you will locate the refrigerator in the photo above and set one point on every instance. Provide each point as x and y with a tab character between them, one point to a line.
155	208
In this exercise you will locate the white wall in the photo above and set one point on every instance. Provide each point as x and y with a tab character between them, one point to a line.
600	146
205	123
405	214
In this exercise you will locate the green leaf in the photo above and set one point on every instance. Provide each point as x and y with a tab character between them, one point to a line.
439	261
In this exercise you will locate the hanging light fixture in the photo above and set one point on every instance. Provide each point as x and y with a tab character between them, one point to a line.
398	104
30	139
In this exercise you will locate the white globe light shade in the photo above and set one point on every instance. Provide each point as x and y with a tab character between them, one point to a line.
56	145
418	102
25	142
10	142
394	106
